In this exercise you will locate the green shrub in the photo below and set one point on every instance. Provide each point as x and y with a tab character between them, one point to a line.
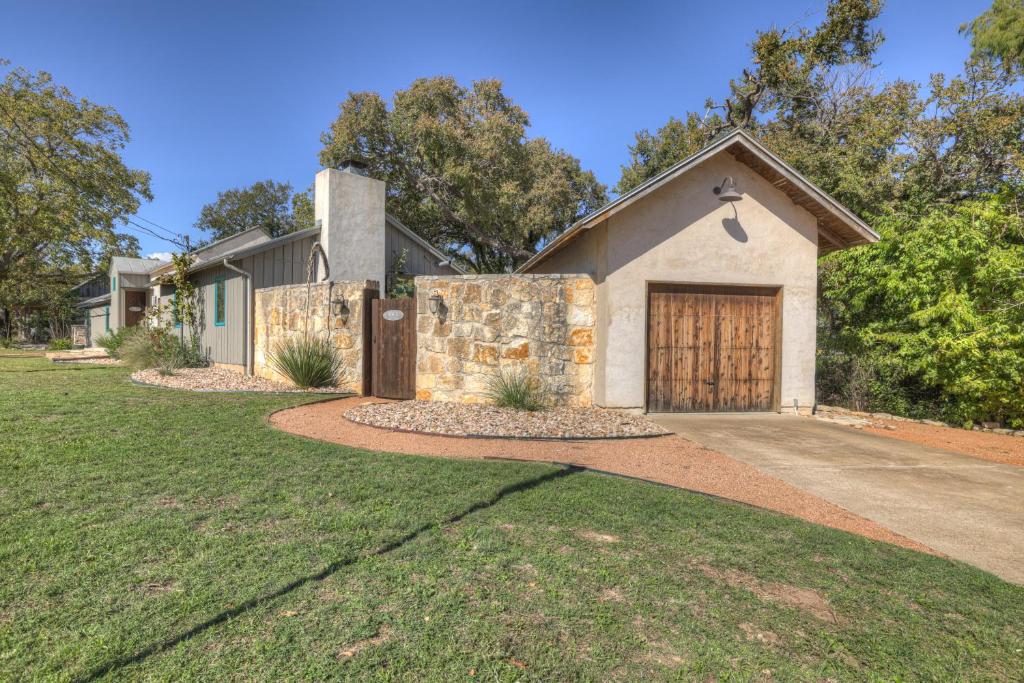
516	389
140	349
59	344
172	356
308	363
190	354
112	341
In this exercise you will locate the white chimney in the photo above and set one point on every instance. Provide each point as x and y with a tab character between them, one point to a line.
349	208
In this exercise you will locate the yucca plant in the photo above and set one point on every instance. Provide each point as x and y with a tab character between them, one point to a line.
516	388
308	363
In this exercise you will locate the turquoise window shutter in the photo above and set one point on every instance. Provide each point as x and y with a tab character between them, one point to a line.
220	310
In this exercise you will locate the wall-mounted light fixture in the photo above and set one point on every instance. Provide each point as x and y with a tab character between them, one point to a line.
340	308
727	191
434	302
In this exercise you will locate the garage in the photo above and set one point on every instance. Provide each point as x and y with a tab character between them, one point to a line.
712	349
706	282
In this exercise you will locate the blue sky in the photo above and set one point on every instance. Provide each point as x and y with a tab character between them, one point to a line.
220	94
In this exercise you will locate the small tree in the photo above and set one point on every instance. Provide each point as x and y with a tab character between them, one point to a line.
185	309
399	283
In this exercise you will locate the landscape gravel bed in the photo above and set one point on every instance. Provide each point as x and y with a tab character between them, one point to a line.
219	379
460	419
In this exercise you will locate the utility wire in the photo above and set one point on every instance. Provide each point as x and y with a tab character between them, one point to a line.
139	227
155	224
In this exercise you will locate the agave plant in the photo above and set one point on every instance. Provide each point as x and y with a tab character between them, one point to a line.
308	363
516	389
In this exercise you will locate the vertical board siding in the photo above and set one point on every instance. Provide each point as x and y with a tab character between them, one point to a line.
283	265
419	260
222	343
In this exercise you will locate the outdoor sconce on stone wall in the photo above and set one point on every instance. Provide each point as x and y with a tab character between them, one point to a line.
340	308
435	302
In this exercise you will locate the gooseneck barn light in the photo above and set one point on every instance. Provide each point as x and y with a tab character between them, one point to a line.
727	191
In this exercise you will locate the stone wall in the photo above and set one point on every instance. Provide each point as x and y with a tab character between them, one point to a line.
544	323
280	314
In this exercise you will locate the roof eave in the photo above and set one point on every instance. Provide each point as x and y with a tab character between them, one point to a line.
722	144
406	230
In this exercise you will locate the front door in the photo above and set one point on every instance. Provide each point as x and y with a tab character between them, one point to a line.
394	348
134	306
712	349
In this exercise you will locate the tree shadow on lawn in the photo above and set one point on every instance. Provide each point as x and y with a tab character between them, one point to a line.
328	571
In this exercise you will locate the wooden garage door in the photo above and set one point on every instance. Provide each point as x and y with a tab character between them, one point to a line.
712	349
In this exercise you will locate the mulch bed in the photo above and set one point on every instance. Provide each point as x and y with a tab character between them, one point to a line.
219	379
461	419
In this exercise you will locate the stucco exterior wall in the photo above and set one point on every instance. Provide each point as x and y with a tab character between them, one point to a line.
544	323
350	208
280	314
681	233
95	328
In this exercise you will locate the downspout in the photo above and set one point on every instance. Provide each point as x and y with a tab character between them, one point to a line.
248	315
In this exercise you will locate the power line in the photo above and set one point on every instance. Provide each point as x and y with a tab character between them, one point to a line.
142	228
154	223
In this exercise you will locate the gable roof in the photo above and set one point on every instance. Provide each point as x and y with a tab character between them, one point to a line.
206	259
95	301
407	231
133	266
222	246
839	227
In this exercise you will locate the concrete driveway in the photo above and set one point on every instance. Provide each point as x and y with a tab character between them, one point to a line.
969	509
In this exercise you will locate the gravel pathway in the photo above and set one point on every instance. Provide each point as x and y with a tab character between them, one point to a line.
669	459
218	379
461	419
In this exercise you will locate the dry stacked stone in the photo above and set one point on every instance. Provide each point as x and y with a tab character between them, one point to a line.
281	313
543	323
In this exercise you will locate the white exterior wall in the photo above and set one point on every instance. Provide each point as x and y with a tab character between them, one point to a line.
681	233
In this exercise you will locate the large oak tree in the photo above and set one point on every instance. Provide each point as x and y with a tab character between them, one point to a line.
64	188
928	322
265	204
461	170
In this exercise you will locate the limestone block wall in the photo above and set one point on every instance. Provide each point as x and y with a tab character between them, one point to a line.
280	314
544	323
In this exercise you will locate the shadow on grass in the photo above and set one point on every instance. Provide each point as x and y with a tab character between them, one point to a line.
329	570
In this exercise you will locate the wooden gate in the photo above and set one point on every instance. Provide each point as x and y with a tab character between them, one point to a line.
712	349
394	348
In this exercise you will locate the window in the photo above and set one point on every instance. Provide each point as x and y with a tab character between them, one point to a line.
113	284
220	306
106	318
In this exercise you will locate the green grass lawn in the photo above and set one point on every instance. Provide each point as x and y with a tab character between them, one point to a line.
152	534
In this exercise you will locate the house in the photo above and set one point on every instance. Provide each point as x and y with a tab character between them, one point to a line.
706	282
354	239
123	302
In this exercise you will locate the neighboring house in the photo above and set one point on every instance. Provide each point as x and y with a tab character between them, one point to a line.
96	284
123	303
706	281
359	242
